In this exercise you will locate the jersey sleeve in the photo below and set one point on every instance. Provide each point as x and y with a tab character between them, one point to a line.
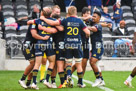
99	27
83	25
63	22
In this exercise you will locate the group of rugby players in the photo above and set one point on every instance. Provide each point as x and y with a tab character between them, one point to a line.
71	39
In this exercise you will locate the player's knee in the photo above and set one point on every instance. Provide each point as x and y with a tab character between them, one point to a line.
69	60
78	60
92	63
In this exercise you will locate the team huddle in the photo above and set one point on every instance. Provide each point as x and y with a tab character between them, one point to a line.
63	41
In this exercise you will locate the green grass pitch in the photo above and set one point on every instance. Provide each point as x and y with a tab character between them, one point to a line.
113	80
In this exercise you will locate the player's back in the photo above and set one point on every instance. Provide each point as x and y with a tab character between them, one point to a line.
72	28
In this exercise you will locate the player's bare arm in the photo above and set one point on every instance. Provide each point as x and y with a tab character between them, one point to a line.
109	25
48	30
87	32
37	36
133	44
30	22
93	29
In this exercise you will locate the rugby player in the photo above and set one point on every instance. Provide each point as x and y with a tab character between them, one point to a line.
97	47
44	46
29	53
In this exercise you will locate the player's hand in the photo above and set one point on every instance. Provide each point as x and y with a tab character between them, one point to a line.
42	18
109	25
46	37
132	51
40	27
89	7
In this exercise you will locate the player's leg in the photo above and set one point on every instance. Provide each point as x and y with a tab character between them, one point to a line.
53	76
93	62
29	55
102	83
43	68
95	57
78	54
60	68
29	78
79	72
26	72
84	64
35	70
129	79
49	70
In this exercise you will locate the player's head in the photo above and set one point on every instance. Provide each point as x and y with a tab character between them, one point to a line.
36	8
122	24
72	10
118	4
96	16
86	12
46	12
56	10
105	10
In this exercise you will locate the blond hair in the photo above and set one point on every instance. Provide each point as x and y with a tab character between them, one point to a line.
72	10
55	6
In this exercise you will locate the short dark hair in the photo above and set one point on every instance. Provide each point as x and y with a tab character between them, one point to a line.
97	12
84	10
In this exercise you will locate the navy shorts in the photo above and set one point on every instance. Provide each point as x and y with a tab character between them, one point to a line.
29	53
60	54
85	50
43	48
76	53
97	53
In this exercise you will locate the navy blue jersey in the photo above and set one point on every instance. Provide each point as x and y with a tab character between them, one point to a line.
96	37
83	35
72	29
29	36
41	32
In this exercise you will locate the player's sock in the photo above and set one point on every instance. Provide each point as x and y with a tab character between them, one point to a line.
101	77
43	69
61	75
68	69
28	82
129	78
53	79
49	71
97	75
23	77
80	78
35	72
65	74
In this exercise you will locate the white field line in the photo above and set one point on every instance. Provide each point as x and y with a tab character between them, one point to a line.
89	82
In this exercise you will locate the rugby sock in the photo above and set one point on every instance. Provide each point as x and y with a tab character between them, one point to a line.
80	78
65	74
28	82
49	71
43	69
35	72
101	77
97	75
129	78
23	77
53	79
68	69
61	75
